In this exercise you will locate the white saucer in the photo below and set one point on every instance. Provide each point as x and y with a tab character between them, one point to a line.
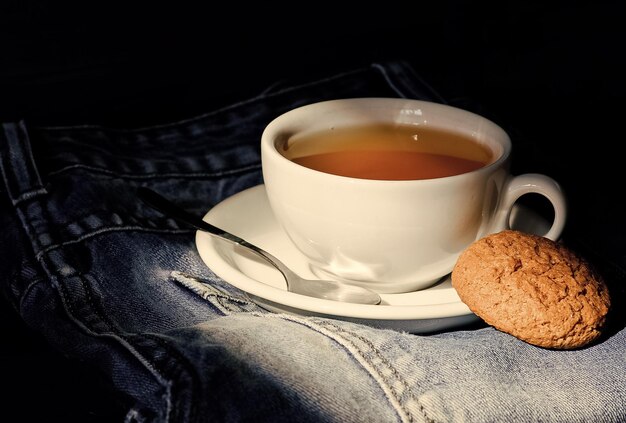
247	214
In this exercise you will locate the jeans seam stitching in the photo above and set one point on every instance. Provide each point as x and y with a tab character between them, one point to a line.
385	74
28	289
233	106
68	306
29	194
112	329
183	362
104	230
388	364
155	175
323	328
31	173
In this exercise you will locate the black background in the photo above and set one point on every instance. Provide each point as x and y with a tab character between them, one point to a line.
550	74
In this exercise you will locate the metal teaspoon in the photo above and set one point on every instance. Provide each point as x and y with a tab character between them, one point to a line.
326	289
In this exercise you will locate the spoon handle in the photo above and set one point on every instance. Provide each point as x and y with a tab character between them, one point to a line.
313	288
165	206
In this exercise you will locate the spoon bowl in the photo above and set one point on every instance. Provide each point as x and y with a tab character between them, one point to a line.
318	288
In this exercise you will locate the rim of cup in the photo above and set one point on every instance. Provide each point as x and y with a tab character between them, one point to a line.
500	148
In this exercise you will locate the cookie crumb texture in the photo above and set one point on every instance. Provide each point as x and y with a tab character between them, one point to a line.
532	288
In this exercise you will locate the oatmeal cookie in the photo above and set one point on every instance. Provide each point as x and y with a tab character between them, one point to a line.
533	288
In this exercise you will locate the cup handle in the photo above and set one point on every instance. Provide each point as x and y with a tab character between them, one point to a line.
516	186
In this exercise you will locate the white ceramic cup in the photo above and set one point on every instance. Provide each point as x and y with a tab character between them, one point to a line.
393	236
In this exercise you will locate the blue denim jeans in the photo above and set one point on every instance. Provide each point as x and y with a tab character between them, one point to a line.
111	282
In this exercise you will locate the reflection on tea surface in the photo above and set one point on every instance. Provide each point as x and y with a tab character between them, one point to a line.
388	152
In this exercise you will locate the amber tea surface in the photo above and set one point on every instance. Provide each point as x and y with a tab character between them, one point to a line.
388	152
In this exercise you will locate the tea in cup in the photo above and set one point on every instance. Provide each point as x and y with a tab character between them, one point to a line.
386	193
